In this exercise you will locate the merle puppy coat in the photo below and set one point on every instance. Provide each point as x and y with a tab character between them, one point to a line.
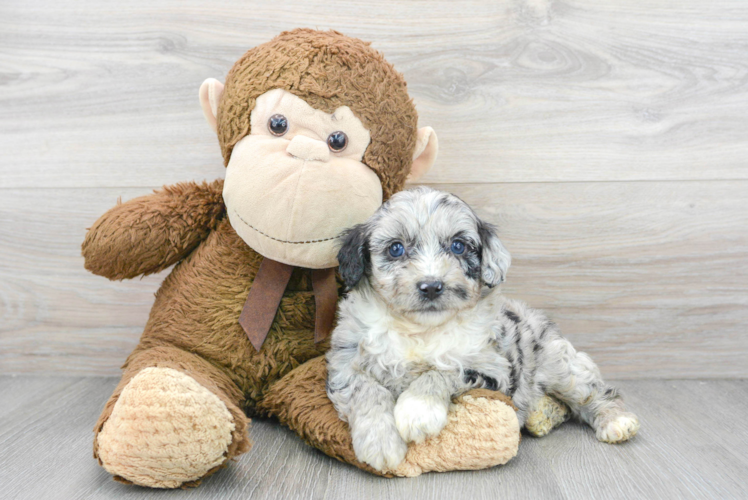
424	321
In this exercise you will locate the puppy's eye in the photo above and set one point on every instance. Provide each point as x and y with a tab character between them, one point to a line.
397	249
278	125
458	247
337	141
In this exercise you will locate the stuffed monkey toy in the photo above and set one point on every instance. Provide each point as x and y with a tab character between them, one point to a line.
316	130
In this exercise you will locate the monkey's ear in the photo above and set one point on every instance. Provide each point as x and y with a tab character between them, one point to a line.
495	259
353	256
210	95
424	156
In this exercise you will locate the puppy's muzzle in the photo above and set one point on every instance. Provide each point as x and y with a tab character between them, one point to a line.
430	290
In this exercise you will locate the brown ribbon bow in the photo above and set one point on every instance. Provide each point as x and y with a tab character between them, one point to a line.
267	291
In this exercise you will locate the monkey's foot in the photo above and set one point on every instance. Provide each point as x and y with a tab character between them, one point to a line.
165	430
549	413
482	431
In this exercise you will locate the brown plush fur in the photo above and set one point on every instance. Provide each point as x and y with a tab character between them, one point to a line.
197	306
163	229
193	326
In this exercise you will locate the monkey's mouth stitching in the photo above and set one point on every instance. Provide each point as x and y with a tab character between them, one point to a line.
278	239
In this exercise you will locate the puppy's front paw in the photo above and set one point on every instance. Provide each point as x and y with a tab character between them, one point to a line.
419	417
618	429
378	444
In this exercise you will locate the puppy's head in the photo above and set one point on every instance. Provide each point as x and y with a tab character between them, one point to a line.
426	253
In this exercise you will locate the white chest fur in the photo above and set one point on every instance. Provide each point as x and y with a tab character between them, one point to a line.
394	348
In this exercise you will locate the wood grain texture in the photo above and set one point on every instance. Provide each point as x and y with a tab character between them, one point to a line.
647	277
685	449
96	94
607	139
57	317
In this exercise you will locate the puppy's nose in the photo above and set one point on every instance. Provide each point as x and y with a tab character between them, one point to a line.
430	289
306	148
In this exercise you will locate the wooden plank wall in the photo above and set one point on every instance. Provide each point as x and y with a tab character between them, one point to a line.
607	139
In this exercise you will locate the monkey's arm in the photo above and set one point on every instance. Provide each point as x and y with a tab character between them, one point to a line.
482	430
152	232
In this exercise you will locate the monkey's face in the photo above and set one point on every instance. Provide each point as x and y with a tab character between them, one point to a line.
297	180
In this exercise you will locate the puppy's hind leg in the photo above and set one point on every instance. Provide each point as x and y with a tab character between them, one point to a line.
574	378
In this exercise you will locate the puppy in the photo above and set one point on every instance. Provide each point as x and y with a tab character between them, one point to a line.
424	321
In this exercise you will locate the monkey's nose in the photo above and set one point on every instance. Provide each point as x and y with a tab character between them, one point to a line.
306	148
430	289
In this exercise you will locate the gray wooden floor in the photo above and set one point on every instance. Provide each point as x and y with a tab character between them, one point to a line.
685	450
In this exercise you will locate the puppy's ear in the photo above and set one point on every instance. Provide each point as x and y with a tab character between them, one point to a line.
353	256
495	259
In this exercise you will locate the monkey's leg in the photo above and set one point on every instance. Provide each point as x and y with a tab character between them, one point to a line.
173	419
482	429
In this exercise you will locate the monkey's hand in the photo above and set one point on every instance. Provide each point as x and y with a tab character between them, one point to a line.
150	233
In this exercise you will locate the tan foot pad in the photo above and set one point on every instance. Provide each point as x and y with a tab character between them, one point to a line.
165	429
548	414
481	432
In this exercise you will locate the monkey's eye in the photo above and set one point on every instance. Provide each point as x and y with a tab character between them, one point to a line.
397	249
458	247
337	141
278	125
